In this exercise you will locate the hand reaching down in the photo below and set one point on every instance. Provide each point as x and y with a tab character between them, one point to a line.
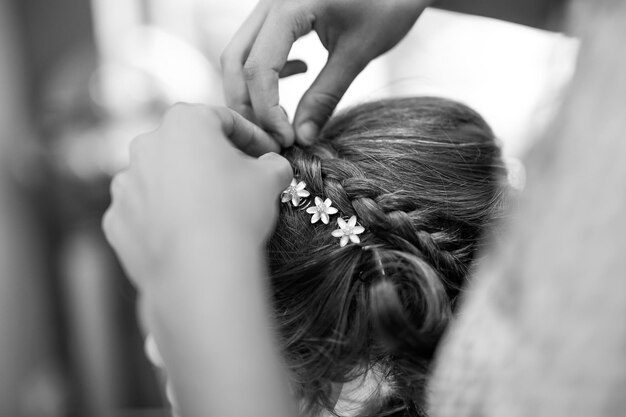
187	183
353	31
188	220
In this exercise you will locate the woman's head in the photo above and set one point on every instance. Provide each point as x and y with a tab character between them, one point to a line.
424	178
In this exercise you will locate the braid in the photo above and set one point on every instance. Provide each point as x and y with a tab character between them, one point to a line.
308	167
385	214
392	215
422	176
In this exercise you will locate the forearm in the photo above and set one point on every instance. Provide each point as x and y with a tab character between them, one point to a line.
212	325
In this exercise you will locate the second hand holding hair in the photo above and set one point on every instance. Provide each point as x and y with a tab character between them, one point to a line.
183	227
187	170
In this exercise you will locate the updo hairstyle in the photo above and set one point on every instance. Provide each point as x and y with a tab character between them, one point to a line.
424	176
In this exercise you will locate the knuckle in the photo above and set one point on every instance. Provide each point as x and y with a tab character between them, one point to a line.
251	69
117	186
324	102
107	225
300	20
254	68
282	11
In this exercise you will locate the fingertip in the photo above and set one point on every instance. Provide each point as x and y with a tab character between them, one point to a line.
287	136
278	164
275	159
280	127
275	122
306	133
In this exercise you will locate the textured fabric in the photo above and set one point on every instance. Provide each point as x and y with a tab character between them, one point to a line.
543	330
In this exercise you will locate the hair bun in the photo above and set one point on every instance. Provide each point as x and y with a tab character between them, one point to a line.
408	304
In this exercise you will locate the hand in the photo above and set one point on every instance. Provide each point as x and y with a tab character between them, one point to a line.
186	186
188	220
353	31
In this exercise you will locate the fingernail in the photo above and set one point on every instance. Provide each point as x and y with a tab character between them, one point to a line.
307	133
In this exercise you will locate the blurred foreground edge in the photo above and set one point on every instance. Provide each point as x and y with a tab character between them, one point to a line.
542	331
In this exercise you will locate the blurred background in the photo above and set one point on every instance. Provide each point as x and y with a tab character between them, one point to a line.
79	79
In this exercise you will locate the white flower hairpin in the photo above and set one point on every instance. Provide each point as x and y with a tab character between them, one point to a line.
295	192
348	231
322	210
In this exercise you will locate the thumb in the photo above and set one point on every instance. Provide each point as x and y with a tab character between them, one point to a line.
244	134
279	170
320	100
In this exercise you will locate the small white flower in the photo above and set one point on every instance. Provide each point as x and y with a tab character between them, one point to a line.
322	210
294	192
348	231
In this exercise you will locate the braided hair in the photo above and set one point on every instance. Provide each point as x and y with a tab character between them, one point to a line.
425	178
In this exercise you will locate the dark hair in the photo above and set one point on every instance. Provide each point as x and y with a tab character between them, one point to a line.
424	177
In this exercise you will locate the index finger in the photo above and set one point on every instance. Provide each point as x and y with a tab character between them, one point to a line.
265	61
233	58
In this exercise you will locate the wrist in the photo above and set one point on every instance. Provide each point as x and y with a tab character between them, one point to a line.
213	327
207	258
198	288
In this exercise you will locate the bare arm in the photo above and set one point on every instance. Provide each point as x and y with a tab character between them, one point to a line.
212	327
188	220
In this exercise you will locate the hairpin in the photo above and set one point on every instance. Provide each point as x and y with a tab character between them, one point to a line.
348	231
294	192
322	210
